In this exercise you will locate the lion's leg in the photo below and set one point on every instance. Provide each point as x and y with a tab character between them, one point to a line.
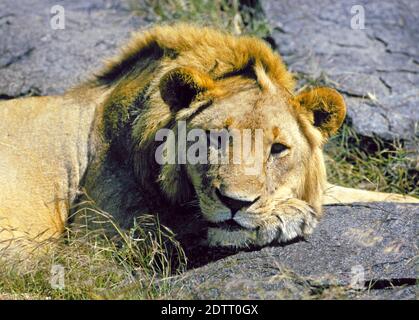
30	227
336	194
17	240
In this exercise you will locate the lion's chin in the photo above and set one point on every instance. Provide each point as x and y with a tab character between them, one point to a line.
241	238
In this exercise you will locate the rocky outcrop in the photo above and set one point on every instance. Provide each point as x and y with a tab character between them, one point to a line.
36	59
377	68
364	251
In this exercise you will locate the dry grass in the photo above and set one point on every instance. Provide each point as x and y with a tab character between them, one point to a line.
101	261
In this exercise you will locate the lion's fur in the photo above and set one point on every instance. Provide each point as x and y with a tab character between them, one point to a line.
198	49
97	134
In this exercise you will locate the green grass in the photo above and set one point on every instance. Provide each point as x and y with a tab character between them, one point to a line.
234	16
372	164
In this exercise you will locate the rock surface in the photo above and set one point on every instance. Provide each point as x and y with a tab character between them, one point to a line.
36	59
376	241
377	68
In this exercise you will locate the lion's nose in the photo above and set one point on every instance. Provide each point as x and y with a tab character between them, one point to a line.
234	204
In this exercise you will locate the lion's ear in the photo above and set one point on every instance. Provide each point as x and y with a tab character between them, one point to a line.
326	108
180	86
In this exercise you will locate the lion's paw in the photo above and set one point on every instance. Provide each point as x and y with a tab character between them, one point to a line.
284	221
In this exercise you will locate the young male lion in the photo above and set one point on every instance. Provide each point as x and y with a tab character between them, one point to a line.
100	137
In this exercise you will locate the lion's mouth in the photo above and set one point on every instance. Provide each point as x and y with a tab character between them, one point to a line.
229	225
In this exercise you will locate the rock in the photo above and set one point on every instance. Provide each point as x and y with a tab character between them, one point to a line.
376	68
35	59
376	242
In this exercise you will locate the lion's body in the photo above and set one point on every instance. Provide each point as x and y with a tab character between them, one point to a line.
98	137
44	154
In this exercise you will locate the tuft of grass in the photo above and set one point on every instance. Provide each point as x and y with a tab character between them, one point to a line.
116	264
236	16
371	163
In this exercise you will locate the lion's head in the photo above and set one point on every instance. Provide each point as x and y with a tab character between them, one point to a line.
222	84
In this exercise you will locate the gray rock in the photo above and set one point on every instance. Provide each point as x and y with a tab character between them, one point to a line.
377	241
35	59
377	68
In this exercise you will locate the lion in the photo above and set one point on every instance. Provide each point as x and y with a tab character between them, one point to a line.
99	139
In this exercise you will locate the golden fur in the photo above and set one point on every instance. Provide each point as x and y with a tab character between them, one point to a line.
97	134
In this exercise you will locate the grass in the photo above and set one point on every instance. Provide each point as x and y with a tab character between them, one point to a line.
115	264
127	264
371	163
231	15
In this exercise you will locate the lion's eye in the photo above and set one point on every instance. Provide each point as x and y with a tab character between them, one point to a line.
278	148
